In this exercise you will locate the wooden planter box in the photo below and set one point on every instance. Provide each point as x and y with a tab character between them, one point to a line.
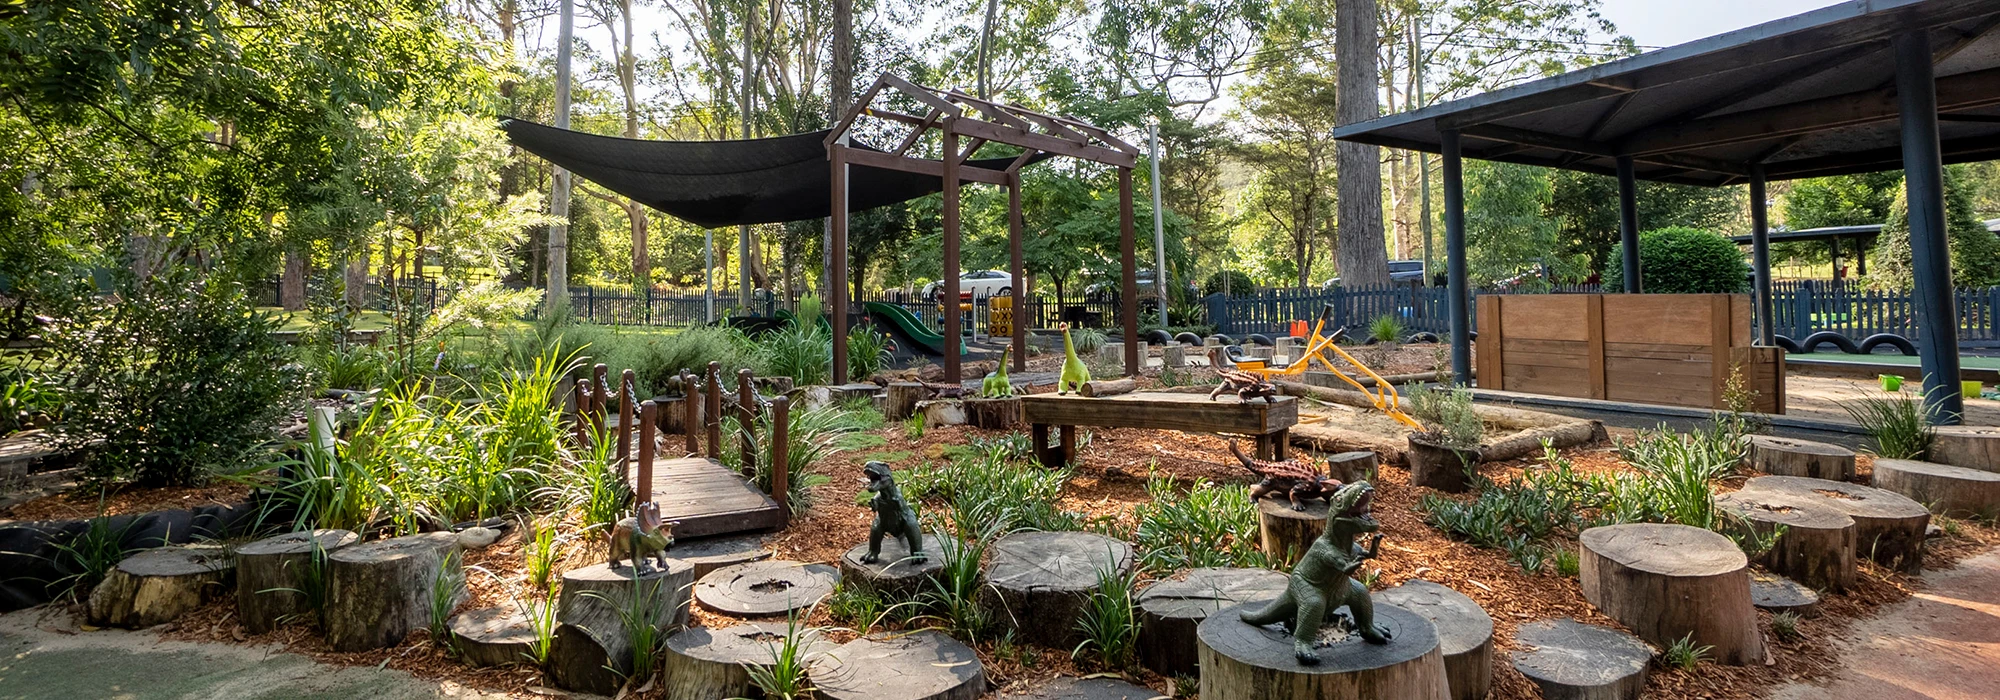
1672	349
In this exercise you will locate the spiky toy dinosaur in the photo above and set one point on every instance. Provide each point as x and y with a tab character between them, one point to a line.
1247	385
1074	374
1324	578
996	384
1296	479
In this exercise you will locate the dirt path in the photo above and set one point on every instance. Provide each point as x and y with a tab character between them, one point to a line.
1942	644
43	655
1821	398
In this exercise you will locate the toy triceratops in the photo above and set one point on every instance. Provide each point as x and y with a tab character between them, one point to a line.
642	535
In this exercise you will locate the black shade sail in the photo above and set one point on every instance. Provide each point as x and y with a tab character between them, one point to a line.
724	183
1802	96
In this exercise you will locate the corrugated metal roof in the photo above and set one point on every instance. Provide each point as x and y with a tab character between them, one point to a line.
1807	95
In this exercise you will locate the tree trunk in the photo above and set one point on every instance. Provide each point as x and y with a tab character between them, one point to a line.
770	587
1108	387
703	663
711	553
1038	582
1954	491
377	592
1363	257
993	414
1349	467
158	585
1465	633
494	636
1888	527
272	574
1569	660
1788	457
1969	446
902	399
592	649
1669	581
922	665
1286	534
1240	661
895	574
292	288
558	248
1818	544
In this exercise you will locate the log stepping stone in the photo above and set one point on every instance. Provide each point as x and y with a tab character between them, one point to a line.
895	574
592	649
1038	582
378	591
1667	581
1170	611
1465	633
1285	534
1350	467
1949	490
1570	660
702	663
711	553
1817	546
923	665
1779	594
1888	526
495	636
157	585
271	576
1788	457
1068	688
1241	661
1969	446
760	588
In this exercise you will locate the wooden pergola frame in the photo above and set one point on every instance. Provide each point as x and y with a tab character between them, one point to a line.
965	123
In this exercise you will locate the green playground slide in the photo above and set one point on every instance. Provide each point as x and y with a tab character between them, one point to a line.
903	323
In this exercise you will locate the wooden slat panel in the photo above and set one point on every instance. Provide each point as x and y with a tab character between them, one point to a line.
1593	328
1542	359
1739	320
1560	347
1665	395
1545	317
1657	351
1632	367
1164	411
1656	318
1492	345
1718	348
1547	380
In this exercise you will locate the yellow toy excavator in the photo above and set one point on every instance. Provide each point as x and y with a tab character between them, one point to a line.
1384	394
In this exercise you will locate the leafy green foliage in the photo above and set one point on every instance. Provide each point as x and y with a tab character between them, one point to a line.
953	600
1841	200
867	352
1238	283
1508	229
1386	328
984	488
1897	424
27	399
1685	654
1207	526
800	350
1110	621
446	585
786	678
1974	251
86	558
1448	414
1681	260
1585	206
659	359
1785	625
173	381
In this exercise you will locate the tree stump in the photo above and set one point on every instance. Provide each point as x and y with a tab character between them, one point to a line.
1779	594
1173	356
592	649
1170	611
772	587
1817	546
1349	467
1954	491
1888	527
1788	457
1570	660
378	591
922	665
495	636
1465	633
1440	467
853	392
1038	581
901	399
895	575
1100	388
271	576
1286	534
1969	446
938	412
709	554
994	414
706	664
157	585
1068	688
1666	581
1241	661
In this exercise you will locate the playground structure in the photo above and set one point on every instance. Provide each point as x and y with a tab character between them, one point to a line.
1383	394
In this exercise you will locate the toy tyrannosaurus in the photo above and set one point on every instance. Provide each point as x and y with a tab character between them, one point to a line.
642	535
1297	480
1247	385
1074	374
1324	578
893	516
996	384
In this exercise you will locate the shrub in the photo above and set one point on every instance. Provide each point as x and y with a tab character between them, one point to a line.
1897	424
867	353
1087	340
1448	414
663	358
1386	329
173	380
1110	621
1200	528
1679	260
801	350
1974	251
1240	284
982	489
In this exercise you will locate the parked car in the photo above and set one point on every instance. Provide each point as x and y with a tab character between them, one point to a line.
1400	272
1107	290
981	283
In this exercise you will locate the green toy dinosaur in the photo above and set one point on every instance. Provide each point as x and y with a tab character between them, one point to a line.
1323	580
1074	374
996	384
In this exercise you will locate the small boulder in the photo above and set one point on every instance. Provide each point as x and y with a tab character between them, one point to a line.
477	537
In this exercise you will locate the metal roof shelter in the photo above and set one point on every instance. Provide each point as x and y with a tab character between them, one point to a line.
1862	86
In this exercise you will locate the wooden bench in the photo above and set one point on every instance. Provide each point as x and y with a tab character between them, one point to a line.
1269	423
